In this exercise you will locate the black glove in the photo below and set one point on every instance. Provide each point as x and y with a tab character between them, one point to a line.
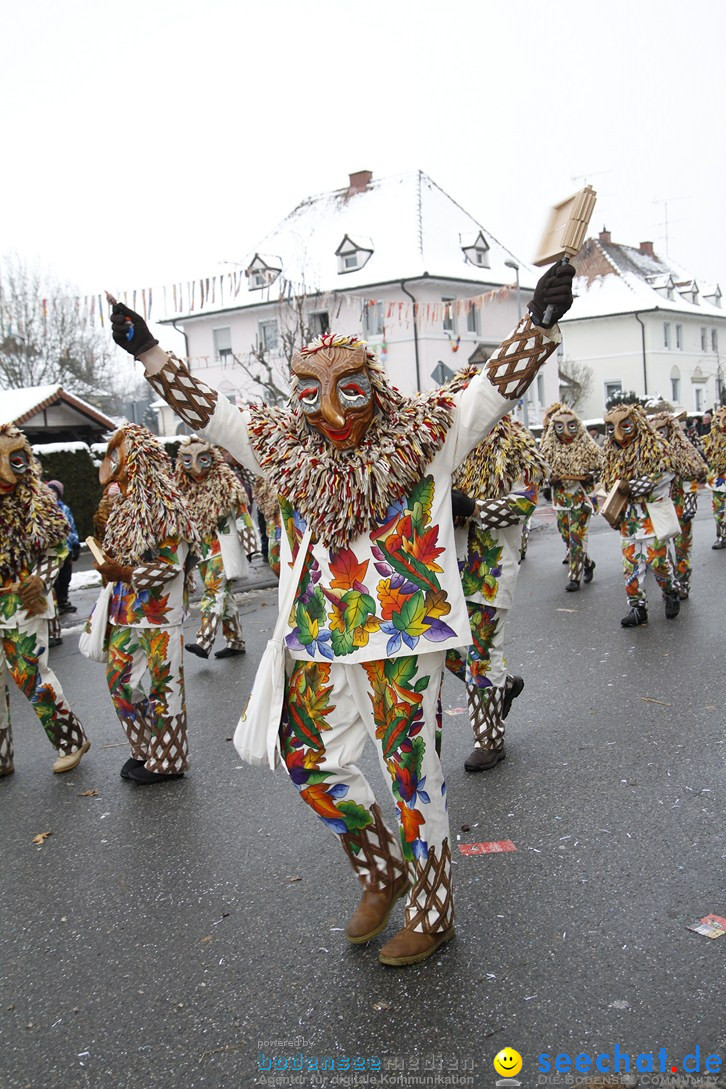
75	551
553	289
462	505
130	331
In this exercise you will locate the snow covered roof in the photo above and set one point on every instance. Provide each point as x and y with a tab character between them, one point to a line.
411	225
17	406
617	279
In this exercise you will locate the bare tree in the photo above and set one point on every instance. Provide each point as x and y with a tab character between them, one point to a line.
579	386
268	366
46	337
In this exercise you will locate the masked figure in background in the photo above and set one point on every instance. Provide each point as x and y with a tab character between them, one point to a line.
689	470
379	602
218	505
268	503
575	462
33	549
496	489
714	451
148	536
638	460
562	529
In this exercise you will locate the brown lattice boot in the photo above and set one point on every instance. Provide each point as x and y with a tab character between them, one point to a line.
485	714
373	854
429	913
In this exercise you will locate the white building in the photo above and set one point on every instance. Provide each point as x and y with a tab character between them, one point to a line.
642	323
396	261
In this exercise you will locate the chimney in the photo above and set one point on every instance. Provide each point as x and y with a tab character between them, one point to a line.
604	236
646	248
359	182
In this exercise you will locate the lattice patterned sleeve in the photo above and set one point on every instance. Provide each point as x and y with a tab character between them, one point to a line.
642	485
192	400
516	361
247	534
496	513
50	564
153	573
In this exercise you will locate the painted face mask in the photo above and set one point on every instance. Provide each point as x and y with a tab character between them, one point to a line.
334	393
14	462
565	426
113	466
621	426
196	459
720	420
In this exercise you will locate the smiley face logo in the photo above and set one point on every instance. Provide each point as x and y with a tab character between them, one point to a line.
508	1062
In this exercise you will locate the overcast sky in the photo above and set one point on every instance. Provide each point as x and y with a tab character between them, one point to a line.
146	142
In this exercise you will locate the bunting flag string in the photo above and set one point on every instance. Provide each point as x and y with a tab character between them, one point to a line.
223	291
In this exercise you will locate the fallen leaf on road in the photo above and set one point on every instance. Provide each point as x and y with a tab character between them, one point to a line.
206	938
40	837
89	794
381	1004
650	699
566	610
290	880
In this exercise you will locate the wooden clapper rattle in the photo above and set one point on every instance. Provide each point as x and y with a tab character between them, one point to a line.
565	231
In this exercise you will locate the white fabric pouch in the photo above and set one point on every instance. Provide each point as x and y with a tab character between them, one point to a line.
256	738
93	643
664	519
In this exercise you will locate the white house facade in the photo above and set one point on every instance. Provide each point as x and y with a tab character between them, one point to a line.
396	261
642	323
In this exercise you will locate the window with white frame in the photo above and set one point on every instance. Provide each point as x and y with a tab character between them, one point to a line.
714	340
679	337
373	319
352	255
675	384
268	335
222	342
449	322
611	388
472	320
666	334
704	339
699	398
319	322
540	389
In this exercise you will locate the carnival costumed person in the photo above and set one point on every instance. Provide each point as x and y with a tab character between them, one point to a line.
689	471
148	536
556	406
33	548
714	451
639	462
575	462
217	502
367	472
268	504
500	479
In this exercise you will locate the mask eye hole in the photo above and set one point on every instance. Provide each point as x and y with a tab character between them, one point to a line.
610	428
559	427
205	460
309	397
19	461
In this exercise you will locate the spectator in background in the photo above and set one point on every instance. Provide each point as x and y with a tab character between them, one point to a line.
705	425
63	581
597	437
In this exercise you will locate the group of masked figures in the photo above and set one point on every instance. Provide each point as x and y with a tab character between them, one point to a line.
413	508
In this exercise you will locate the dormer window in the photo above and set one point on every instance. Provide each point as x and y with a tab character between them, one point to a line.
688	290
477	253
663	285
260	273
352	256
712	295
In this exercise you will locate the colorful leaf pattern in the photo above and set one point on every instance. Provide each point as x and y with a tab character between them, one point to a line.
407	603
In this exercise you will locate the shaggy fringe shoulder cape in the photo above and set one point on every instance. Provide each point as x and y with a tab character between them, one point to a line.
153	508
714	449
646	454
213	498
687	462
582	455
501	459
342	493
31	521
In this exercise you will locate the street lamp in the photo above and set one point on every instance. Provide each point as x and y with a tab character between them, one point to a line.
511	263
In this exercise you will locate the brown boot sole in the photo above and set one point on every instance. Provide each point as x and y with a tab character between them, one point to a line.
399	962
363	938
496	757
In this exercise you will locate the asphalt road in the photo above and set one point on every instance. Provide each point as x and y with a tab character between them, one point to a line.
165	937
